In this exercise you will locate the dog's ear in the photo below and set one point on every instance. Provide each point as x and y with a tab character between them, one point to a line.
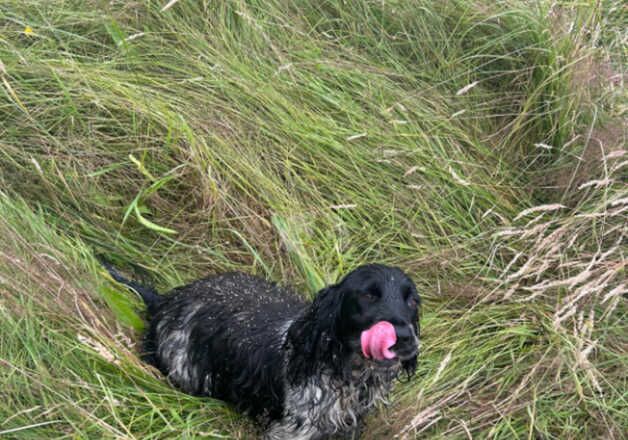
314	337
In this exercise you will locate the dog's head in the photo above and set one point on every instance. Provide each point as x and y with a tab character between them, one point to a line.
343	313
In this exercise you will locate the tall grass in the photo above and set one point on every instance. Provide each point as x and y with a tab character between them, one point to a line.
478	145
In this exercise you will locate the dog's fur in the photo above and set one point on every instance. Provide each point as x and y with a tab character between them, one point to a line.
296	367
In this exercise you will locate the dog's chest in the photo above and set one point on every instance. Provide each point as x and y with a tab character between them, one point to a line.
324	405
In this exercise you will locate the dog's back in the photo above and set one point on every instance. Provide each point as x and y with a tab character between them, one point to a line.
222	336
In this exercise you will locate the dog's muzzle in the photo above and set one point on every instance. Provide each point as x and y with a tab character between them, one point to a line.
407	345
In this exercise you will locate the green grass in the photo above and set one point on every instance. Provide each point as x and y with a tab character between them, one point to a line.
477	145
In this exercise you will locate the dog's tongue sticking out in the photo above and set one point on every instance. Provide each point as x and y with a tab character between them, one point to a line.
377	340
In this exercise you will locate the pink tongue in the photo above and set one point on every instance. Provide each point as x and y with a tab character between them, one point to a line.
377	340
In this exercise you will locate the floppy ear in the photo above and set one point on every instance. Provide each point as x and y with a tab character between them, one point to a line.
314	336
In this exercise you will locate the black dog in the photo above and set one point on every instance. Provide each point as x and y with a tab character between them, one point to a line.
299	368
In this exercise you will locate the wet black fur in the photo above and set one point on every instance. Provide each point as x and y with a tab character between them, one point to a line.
249	339
243	355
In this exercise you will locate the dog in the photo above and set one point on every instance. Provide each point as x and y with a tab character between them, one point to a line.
305	371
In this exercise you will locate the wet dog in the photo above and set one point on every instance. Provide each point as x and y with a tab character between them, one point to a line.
304	370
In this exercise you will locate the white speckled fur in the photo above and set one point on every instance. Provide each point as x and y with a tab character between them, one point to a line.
175	348
322	406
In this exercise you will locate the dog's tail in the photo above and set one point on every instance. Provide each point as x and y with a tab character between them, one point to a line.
151	298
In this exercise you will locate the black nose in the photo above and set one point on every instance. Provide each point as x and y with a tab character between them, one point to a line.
405	335
406	345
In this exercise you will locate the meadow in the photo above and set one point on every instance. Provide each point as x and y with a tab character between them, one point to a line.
478	145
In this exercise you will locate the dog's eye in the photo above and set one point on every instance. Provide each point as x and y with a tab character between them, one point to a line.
410	298
412	302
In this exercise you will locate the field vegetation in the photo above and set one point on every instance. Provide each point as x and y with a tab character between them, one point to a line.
479	145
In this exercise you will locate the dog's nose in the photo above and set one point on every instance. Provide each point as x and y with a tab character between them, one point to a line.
407	343
404	334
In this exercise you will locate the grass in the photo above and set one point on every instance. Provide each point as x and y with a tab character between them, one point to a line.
477	145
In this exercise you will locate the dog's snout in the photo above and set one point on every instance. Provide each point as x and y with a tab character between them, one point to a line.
405	334
407	342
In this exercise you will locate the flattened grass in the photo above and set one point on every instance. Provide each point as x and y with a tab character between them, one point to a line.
298	139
